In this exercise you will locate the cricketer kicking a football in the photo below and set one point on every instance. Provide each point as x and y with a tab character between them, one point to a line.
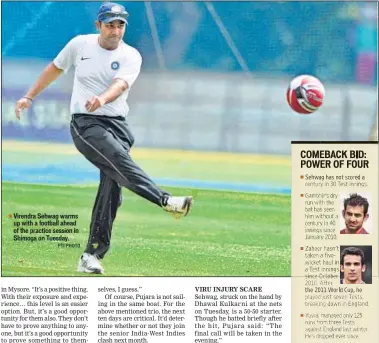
105	70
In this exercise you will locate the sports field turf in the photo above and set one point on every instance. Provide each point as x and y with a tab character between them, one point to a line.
227	233
34	162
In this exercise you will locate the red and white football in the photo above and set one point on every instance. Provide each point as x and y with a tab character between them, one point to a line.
305	94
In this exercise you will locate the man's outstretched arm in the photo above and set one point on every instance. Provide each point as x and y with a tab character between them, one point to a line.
117	87
49	75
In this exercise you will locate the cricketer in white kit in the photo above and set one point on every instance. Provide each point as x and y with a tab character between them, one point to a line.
105	70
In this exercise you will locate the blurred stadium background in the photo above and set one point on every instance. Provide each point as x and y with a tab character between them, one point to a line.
191	93
214	75
208	111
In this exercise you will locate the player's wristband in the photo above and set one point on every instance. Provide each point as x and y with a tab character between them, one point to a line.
101	101
25	97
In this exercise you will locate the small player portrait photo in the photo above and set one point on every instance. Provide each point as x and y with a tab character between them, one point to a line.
356	214
356	265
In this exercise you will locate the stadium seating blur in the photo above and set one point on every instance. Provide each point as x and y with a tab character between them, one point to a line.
200	98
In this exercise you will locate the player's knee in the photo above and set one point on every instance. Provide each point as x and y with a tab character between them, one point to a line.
120	200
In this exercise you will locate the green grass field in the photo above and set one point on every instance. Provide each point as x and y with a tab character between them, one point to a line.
226	234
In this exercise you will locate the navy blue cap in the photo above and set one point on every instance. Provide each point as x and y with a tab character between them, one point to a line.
111	11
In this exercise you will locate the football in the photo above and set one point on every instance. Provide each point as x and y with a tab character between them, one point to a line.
305	94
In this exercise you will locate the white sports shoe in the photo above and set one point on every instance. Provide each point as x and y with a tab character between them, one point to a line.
90	264
178	206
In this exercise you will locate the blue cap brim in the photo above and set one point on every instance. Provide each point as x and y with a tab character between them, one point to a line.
108	20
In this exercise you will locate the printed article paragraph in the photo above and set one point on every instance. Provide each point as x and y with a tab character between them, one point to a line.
141	311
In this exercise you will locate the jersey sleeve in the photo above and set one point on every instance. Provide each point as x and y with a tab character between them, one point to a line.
130	70
66	58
